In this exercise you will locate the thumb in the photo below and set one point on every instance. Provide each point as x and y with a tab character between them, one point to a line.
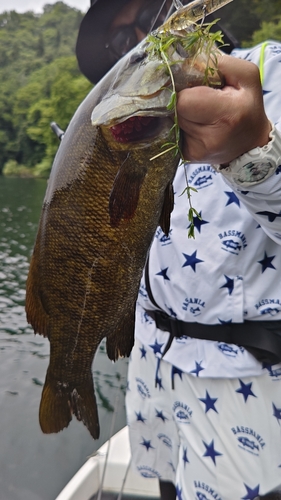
238	73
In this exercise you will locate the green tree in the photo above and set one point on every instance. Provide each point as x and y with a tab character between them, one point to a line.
52	94
268	31
67	90
243	17
267	11
35	52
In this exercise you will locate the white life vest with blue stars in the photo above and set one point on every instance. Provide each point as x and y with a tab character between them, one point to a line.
231	270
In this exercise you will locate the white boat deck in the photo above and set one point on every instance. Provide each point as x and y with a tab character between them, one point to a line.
86	482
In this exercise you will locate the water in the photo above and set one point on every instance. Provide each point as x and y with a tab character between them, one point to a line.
34	466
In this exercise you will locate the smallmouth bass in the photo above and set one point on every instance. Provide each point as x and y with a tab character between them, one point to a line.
104	200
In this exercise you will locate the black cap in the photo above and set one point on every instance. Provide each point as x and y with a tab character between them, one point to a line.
93	57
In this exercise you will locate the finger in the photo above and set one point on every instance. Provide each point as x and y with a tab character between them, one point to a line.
201	105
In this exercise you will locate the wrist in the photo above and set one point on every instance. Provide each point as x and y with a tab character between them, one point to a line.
256	165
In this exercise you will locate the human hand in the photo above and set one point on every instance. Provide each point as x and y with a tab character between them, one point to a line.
221	124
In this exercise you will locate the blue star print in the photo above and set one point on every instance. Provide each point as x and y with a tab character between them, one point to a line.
147	444
191	260
159	414
197	369
163	273
198	222
270	215
209	402
156	347
140	418
143	352
211	452
276	412
266	262
232	198
251	494
229	284
246	390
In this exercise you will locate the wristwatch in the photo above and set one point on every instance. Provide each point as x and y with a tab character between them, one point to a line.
256	165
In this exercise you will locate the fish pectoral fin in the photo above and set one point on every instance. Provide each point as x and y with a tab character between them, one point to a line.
58	403
125	193
120	343
168	205
36	315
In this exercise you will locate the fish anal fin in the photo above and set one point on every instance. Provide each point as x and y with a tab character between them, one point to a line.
59	402
125	192
167	209
120	343
36	314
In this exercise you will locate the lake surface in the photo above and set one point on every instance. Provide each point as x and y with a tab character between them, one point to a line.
34	466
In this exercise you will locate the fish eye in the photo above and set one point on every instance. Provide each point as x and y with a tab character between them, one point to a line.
137	57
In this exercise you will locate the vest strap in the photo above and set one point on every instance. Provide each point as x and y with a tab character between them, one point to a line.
261	338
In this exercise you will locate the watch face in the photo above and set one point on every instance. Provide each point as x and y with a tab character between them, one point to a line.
253	171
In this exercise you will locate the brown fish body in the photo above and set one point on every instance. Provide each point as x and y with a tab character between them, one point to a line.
104	200
84	274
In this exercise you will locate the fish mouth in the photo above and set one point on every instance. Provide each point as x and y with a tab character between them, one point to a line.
135	129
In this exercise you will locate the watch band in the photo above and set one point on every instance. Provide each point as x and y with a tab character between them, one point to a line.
256	165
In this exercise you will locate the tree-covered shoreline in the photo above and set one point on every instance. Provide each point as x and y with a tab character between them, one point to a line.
41	81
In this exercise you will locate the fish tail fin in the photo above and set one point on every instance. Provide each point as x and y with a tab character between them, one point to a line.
59	402
84	407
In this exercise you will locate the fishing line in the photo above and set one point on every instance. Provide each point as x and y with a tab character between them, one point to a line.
204	10
116	405
177	4
156	17
124	480
169	11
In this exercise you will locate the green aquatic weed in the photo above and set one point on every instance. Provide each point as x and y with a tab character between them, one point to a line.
163	45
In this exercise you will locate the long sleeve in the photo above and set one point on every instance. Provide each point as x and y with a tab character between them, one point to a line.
263	199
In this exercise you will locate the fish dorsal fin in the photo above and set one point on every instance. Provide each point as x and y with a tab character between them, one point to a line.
167	208
125	192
